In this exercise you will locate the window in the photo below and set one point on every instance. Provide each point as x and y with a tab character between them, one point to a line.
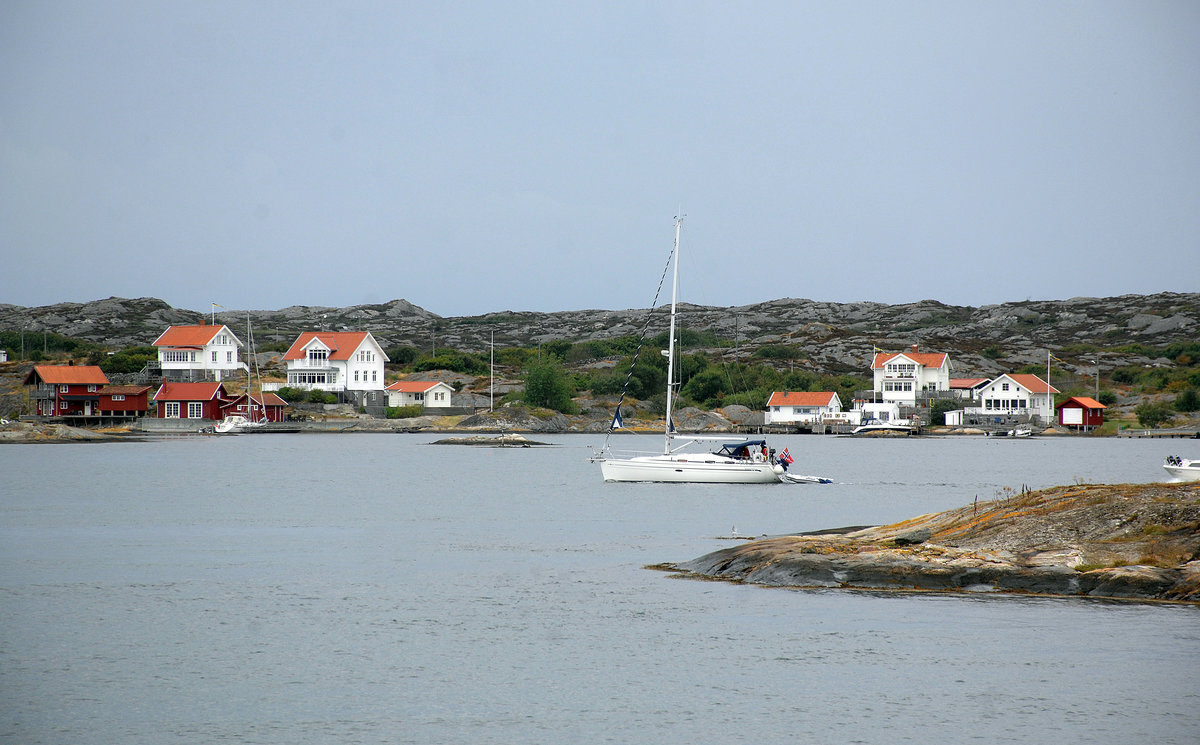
171	409
418	396
195	410
64	389
356	376
118	397
318	355
214	356
1004	386
373	374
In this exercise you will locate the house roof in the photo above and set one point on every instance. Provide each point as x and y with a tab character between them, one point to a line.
67	375
927	359
342	344
801	398
190	392
1032	383
966	383
1084	402
124	390
192	336
414	386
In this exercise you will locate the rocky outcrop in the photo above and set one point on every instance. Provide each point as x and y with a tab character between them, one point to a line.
1117	541
827	337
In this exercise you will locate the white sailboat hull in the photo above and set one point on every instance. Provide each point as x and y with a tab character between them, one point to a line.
695	468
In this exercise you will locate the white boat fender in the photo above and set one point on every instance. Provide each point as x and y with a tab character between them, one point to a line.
778	469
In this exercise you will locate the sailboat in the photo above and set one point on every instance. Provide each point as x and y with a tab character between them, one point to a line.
256	411
736	462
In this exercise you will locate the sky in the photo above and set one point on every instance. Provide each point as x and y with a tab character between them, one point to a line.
476	157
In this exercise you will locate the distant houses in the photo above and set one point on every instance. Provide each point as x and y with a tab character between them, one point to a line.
1013	395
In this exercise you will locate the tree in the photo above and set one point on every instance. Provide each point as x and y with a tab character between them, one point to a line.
1188	401
1151	415
547	385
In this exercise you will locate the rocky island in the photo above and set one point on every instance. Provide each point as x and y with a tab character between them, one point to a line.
1138	541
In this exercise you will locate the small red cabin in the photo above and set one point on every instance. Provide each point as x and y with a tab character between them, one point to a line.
1081	413
117	401
256	407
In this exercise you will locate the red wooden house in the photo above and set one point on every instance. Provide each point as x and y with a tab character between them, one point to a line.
1081	412
66	390
191	401
124	401
256	407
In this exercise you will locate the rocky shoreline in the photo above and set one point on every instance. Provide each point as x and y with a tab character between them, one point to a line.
1130	541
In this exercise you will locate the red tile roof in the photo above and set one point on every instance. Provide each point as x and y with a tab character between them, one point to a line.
67	375
928	359
412	386
342	344
1032	383
190	392
1084	401
190	336
801	398
967	382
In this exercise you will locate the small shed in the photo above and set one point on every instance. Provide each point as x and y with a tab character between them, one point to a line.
1081	412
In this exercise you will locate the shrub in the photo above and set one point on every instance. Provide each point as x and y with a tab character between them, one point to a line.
321	397
403	412
546	385
1108	398
1188	401
1151	415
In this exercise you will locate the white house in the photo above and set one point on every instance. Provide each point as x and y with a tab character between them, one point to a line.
335	361
198	353
1016	395
431	394
902	376
800	407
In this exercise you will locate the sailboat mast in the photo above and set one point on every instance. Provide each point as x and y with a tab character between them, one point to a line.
671	337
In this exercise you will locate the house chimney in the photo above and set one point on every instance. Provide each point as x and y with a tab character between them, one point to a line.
914	348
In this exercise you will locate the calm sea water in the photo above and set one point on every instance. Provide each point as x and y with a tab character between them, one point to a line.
376	588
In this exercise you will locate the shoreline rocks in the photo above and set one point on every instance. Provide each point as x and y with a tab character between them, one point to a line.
1132	541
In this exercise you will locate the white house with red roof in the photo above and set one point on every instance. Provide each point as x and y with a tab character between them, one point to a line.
801	407
335	361
202	352
904	376
968	387
1016	395
431	394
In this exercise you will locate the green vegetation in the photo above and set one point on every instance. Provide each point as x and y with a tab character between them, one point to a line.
1188	401
131	360
39	345
548	386
403	412
1151	415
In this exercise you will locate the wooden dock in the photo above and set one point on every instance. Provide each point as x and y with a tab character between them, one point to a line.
1189	434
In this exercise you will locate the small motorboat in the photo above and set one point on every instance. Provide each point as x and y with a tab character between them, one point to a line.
799	478
1182	469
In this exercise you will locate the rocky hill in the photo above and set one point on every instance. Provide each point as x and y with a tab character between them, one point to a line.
826	337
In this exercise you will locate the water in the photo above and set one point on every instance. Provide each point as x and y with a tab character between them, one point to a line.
374	588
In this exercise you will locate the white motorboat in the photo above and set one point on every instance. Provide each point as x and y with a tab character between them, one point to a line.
744	462
1182	469
901	426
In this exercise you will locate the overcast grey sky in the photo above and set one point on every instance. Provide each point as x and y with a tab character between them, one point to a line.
484	156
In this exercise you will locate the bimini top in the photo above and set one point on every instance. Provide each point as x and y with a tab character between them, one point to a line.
735	449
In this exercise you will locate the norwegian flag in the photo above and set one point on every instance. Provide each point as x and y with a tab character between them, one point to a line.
786	457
